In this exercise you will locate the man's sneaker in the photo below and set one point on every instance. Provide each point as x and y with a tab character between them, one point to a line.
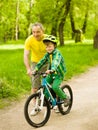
66	102
34	111
56	109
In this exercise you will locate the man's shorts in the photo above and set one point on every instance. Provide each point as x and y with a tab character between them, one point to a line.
36	80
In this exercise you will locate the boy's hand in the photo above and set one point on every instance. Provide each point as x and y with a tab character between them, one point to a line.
49	71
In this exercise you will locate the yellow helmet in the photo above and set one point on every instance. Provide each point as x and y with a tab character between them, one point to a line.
50	38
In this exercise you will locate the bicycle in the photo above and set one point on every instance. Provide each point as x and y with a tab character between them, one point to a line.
43	105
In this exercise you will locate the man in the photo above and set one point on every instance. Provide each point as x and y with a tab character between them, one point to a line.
35	47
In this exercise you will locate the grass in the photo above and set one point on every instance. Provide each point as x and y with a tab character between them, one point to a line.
13	79
14	82
79	58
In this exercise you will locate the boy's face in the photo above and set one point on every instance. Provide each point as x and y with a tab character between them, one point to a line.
50	47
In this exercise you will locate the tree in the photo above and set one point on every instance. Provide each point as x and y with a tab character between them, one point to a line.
17	20
95	44
77	33
29	16
53	14
12	19
62	22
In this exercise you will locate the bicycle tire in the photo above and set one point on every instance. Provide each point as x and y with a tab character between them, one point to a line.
65	110
32	120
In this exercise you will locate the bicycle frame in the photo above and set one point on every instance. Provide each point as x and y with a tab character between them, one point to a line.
43	106
46	86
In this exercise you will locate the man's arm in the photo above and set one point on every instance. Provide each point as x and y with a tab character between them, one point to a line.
27	62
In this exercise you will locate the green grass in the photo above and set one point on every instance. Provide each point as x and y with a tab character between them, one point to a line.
79	58
14	82
13	79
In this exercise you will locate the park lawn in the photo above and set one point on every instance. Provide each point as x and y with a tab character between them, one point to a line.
79	58
14	82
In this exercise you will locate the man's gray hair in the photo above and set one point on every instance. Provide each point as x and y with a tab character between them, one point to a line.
38	24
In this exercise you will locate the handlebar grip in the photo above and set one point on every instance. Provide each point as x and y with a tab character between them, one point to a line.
52	71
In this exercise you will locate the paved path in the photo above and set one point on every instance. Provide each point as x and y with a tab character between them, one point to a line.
83	116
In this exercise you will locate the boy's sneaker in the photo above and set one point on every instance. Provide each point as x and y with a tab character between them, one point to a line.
66	102
56	109
34	111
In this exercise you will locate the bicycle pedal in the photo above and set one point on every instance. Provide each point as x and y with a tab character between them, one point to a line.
37	109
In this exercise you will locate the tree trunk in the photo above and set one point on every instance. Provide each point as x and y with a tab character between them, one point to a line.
95	44
61	35
54	29
77	33
17	21
29	17
85	19
62	23
55	20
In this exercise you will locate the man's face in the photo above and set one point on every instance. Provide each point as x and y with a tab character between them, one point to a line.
37	33
50	47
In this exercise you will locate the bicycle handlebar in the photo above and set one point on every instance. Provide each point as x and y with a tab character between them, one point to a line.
44	74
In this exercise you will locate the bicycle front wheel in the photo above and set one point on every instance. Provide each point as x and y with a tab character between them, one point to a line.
41	116
62	108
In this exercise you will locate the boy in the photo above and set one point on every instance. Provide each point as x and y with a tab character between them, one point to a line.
56	64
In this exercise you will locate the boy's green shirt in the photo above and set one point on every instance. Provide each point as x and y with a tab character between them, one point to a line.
57	64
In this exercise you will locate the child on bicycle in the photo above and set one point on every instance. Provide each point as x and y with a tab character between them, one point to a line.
56	65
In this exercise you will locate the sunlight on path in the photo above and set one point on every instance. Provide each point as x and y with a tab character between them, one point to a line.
10	47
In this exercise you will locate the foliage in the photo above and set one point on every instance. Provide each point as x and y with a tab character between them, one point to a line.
49	13
8	19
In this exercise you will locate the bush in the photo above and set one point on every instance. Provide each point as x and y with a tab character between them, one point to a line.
6	90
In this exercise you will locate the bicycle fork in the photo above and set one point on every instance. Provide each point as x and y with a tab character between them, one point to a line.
41	98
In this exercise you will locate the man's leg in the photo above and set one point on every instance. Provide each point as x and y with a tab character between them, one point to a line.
35	80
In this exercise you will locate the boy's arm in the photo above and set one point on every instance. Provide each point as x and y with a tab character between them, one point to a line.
56	62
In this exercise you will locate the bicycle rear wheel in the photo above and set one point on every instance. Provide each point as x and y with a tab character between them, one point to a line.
42	115
62	108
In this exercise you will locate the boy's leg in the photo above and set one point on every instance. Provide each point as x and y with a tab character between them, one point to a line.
56	87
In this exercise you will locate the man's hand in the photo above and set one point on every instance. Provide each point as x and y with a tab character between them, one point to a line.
29	72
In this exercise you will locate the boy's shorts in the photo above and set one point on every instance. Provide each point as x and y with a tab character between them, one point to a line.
36	80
